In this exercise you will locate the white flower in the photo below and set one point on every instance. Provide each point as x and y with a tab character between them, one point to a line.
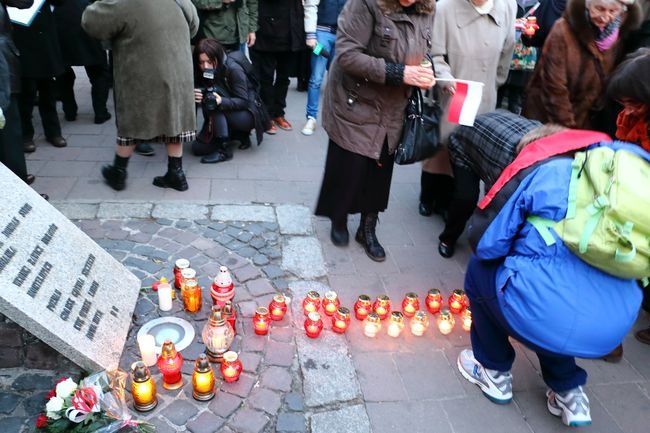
53	406
65	388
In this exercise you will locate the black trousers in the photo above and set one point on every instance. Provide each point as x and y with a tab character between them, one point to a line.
45	88
219	126
99	81
269	65
463	201
12	154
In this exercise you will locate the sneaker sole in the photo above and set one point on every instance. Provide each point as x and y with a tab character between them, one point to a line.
558	412
480	385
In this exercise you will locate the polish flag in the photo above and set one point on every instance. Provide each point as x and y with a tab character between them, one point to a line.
465	102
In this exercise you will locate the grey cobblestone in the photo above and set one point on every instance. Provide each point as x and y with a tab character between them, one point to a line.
146	265
260	260
161	425
266	400
247	272
8	401
206	423
246	251
225	404
260	287
250	361
180	411
276	378
291	423
242	387
295	402
249	421
32	382
280	354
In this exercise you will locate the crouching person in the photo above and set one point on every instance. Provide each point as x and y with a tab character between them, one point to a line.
524	282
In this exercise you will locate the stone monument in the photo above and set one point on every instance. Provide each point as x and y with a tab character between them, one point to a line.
58	284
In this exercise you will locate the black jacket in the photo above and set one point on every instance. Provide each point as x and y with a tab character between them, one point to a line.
9	49
281	26
77	48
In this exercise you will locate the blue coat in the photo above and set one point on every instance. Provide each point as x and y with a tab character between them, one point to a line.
547	294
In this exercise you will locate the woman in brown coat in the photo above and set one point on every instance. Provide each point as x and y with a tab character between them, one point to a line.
568	85
379	47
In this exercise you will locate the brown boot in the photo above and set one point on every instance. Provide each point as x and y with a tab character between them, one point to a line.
615	355
643	336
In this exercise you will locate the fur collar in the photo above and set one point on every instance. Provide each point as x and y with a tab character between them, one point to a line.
577	20
426	7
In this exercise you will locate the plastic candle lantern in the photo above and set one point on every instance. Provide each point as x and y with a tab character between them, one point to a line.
217	335
311	303
229	313
362	307
222	289
169	363
410	304
202	379
261	321
231	366
143	388
313	325
371	325
433	301
445	321
341	320
331	303
419	323
278	307
190	291
178	268
382	306
395	324
457	301
466	317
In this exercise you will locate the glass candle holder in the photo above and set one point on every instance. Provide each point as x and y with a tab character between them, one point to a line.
278	307
362	307
191	294
143	388
433	301
410	304
371	325
203	379
395	324
311	303
341	320
261	321
230	314
313	325
445	321
170	363
217	335
331	302
222	288
382	306
466	318
419	323
231	367
179	265
457	301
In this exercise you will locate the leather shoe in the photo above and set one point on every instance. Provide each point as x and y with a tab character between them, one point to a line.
282	123
101	118
29	146
174	178
244	142
144	149
340	236
643	336
57	141
615	355
29	179
215	157
425	209
70	117
446	250
115	177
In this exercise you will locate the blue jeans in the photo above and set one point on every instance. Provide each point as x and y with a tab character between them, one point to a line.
490	331
319	65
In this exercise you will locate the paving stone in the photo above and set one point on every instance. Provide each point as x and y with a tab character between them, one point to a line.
236	245
164	221
202	221
223	238
140	238
124	210
218	226
273	271
250	361
11	424
233	261
8	401
303	257
151	227
35	403
260	287
351	419
117	234
272	226
224	404
485	415
257	243
245	237
379	377
409	415
189	252
266	400
246	273
248	421
256	343
215	252
206	423
247	308
180	411
295	401
161	425
282	334
245	251
278	353
202	244
150	252
294	220
291	423
10	335
145	265
183	224
77	211
256	229
253	213
242	387
186	238
276	378
280	284
32	382
271	252
178	210
260	260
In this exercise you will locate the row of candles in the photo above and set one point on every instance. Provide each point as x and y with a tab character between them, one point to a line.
371	313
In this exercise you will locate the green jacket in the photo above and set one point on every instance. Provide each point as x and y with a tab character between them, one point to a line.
227	23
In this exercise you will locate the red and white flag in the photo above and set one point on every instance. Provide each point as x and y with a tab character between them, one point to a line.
465	103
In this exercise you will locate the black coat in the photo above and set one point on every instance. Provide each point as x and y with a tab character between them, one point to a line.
77	48
40	53
280	26
9	49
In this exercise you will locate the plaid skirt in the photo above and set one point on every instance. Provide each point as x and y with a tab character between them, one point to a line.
183	137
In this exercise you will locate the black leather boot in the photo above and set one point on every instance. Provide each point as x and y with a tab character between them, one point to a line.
115	177
366	236
175	177
339	233
221	153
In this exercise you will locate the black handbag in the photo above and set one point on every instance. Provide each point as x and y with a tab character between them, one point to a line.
421	131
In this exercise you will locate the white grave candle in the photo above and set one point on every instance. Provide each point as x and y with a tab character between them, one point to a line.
147	344
165	296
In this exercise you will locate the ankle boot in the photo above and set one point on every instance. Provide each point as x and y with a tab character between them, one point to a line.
220	154
115	176
339	233
366	236
175	177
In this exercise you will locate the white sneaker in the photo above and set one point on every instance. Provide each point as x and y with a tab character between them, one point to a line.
309	127
496	385
572	406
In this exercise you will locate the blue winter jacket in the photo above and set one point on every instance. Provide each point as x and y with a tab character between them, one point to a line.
546	293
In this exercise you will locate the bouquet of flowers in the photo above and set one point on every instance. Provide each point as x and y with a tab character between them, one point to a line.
96	405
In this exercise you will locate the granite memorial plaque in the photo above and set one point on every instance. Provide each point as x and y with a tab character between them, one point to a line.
57	283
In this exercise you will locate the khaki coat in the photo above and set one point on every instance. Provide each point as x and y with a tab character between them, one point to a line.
152	63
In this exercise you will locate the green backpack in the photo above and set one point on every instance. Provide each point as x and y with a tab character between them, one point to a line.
607	223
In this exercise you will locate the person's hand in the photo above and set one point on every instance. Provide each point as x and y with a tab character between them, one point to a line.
419	76
311	43
449	87
198	96
217	97
250	40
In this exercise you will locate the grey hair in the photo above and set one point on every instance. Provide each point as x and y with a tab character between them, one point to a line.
537	133
623	3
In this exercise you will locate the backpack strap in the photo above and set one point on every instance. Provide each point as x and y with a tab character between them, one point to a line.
625	233
595	210
543	227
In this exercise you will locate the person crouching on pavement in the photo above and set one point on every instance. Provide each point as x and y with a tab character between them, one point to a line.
228	103
152	70
543	295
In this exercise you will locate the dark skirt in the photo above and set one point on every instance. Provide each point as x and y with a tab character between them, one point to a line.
354	183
